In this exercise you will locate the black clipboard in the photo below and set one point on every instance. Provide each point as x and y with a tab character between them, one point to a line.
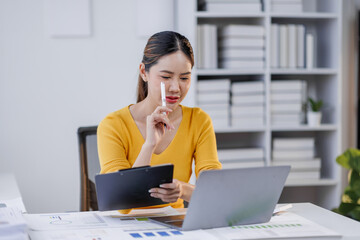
129	188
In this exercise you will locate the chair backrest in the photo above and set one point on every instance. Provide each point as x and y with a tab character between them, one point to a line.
89	167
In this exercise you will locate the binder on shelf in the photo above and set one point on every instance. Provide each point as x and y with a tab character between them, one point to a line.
221	97
309	50
247	87
293	154
240	154
233	64
215	105
292	57
214	85
220	123
243	122
242	164
248	99
218	113
242	53
284	46
286	107
286	85
286	6
300	34
208	47
293	143
236	7
239	30
200	46
247	110
286	97
274	48
233	42
300	165
304	175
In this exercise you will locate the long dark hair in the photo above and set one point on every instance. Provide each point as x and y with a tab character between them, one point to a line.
158	45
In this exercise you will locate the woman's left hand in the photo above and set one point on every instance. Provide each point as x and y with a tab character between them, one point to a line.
168	192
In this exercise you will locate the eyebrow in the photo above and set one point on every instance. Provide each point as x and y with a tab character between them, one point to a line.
169	72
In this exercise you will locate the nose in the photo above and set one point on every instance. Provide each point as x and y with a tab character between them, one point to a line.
174	86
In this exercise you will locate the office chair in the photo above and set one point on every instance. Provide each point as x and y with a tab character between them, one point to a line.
89	167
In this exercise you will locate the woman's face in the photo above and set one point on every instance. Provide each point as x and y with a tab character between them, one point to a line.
175	71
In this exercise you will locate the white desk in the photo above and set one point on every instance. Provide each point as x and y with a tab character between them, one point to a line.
9	191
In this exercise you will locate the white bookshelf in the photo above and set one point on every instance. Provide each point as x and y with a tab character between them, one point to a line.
323	19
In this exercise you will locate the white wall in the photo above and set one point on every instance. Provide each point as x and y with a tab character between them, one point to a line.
50	86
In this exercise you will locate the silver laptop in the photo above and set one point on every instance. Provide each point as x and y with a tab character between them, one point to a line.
231	197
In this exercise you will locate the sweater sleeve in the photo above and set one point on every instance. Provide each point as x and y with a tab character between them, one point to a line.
111	146
205	154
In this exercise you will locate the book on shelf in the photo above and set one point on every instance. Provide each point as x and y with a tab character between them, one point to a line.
215	105
293	143
241	42
292	154
309	50
250	121
240	154
285	123
279	97
287	6
304	175
220	123
300	165
213	97
292	46
233	64
214	85
300	36
208	47
247	110
286	107
274	47
242	164
284	46
235	7
286	117
247	87
248	99
242	53
218	113
287	85
199	47
239	30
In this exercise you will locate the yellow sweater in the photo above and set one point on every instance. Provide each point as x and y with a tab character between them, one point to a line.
120	142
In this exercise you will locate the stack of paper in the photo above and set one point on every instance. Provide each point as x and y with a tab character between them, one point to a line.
287	100
286	6
247	109
12	224
214	98
207	46
287	46
241	157
242	46
235	6
299	154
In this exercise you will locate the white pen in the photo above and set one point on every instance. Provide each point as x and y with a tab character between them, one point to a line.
163	95
281	209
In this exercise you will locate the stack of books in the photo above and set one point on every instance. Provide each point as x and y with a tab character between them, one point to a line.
288	98
234	6
248	100
214	98
241	157
207	47
288	46
242	46
287	6
299	154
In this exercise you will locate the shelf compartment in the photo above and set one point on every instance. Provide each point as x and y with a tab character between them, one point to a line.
229	72
304	71
322	127
205	14
311	182
305	15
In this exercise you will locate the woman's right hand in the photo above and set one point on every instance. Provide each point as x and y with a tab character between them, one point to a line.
155	128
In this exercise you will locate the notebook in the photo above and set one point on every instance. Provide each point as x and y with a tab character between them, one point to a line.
231	197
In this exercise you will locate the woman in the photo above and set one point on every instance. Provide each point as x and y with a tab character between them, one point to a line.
148	133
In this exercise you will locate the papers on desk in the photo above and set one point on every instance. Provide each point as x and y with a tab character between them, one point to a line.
285	226
12	224
14	203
